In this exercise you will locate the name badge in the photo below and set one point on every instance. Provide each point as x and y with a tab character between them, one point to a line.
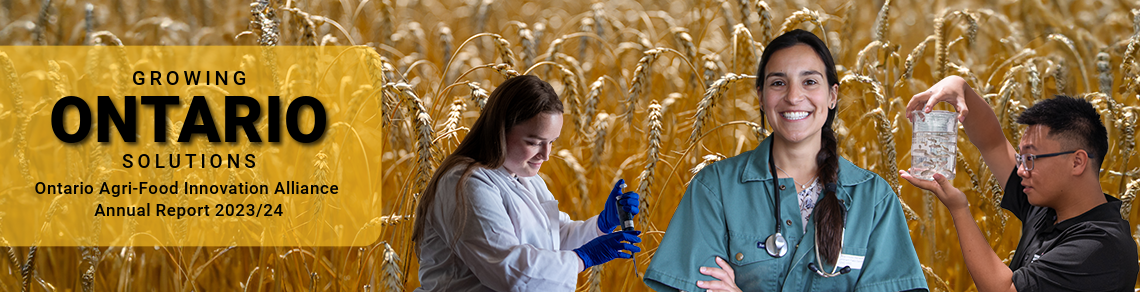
853	261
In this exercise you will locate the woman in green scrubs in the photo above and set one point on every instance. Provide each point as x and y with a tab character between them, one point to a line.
790	215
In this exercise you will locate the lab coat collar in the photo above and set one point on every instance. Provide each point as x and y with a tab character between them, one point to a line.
517	182
756	169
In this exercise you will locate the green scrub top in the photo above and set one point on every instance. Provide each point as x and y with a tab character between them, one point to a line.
727	212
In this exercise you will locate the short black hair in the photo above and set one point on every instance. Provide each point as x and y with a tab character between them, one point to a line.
1073	120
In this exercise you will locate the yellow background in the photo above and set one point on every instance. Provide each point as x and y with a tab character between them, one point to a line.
340	157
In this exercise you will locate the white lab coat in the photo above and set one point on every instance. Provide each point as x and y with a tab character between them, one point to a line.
514	239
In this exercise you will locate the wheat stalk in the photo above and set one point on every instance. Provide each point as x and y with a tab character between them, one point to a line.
303	22
1005	94
264	22
1104	72
711	67
594	278
765	13
1104	105
637	86
1136	21
996	194
1128	64
565	60
529	45
881	22
13	259
746	15
912	58
391	269
714	93
122	66
28	268
506	71
743	48
454	115
585	27
598	11
88	279
1034	79
799	17
424	135
1128	197
682	37
321	173
653	155
58	80
882	125
1060	74
1136	236
974	183
478	95
41	23
446	42
590	106
685	41
929	273
705	161
579	175
17	92
419	37
358	97
394	219
1077	54
554	48
504	48
860	62
88	22
940	33
377	73
601	127
570	93
726	12
1126	121
482	9
387	21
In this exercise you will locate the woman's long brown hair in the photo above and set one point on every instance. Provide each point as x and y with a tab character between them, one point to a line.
828	213
515	100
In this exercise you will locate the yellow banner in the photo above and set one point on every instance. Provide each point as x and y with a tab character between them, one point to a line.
189	146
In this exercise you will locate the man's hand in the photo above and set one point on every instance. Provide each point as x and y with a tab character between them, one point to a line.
950	196
952	90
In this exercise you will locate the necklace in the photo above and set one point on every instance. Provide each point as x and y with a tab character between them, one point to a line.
802	186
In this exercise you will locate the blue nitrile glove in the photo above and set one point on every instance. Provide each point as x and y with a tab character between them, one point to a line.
608	247
608	219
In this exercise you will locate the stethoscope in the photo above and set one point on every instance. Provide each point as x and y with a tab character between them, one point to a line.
777	246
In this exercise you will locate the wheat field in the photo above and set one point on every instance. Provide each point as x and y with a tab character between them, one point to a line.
654	91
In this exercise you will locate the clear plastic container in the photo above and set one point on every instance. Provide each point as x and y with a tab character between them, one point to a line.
934	146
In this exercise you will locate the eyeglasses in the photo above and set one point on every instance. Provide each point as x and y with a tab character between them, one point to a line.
1027	160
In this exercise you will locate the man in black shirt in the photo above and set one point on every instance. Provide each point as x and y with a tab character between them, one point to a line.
1073	237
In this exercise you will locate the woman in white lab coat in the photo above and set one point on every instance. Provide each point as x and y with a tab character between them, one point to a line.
486	221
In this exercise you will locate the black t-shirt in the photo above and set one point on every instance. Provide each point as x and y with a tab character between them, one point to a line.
1093	251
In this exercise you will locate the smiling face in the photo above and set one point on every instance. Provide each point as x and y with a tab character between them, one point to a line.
795	96
528	143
